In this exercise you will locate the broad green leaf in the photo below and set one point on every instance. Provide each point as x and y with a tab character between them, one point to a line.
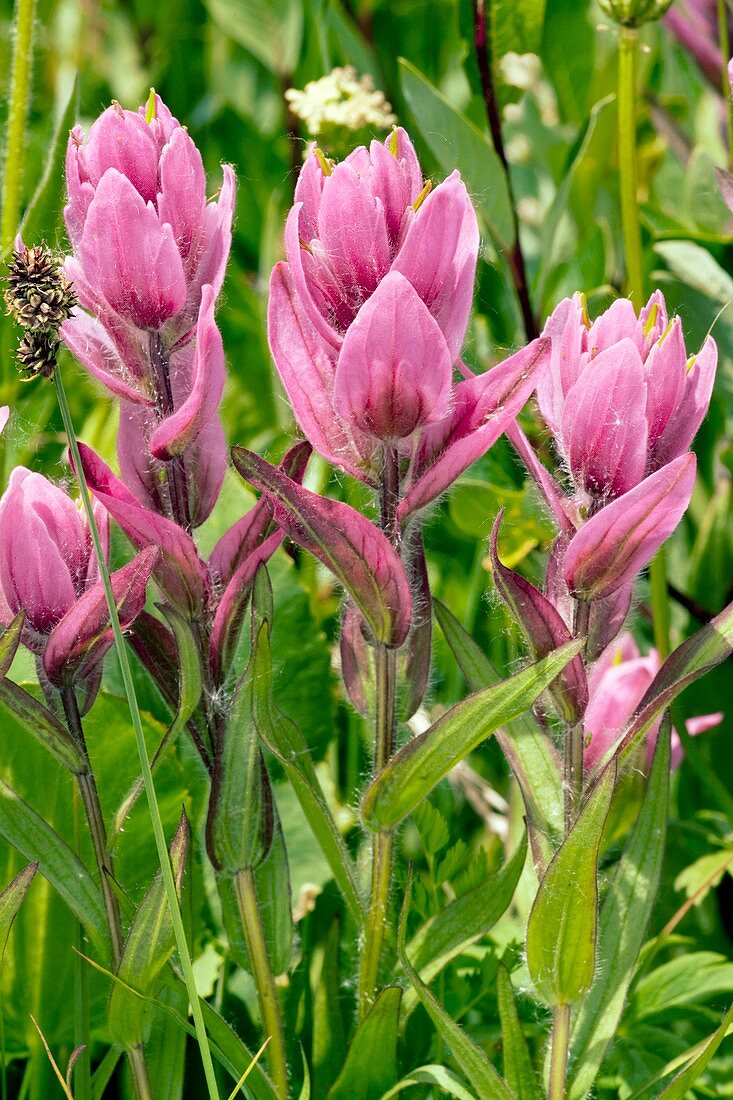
551	222
11	900
703	651
445	935
149	945
165	1048
482	1076
30	835
530	753
561	932
456	143
420	764
516	26
329	1040
371	1063
622	925
692	978
42	724
285	740
519	1072
272	30
442	1079
190	686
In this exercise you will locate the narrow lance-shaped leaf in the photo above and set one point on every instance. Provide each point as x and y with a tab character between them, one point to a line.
420	764
544	629
622	925
561	932
354	549
34	838
11	900
479	1071
709	647
363	1076
35	718
529	751
149	946
190	686
519	1072
683	1082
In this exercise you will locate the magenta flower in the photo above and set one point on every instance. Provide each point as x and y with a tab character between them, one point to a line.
622	398
368	315
617	683
46	556
694	23
149	259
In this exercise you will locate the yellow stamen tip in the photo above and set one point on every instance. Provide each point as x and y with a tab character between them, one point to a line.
422	196
151	107
325	163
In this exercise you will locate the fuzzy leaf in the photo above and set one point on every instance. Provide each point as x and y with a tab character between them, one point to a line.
518	1069
562	927
420	764
364	1076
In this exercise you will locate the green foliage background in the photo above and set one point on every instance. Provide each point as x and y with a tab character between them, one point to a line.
222	67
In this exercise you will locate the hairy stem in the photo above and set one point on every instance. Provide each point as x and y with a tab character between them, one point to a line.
19	99
384	738
90	797
249	914
560	1042
515	256
175	470
153	807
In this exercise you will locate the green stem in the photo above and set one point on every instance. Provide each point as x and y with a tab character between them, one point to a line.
87	785
82	1026
659	599
724	43
254	933
20	92
155	818
627	159
560	1042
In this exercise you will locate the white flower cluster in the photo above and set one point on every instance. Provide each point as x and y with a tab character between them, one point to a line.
340	100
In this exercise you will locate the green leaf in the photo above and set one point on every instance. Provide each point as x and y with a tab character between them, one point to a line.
371	1063
190	687
329	1040
519	1072
462	921
561	931
44	208
42	724
551	223
530	753
479	1071
703	651
456	143
516	26
692	978
683	1082
149	945
420	764
11	900
272	882
622	926
271	30
441	1078
285	740
30	835
240	819
9	642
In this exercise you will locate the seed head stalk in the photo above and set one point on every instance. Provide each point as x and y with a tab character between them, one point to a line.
156	821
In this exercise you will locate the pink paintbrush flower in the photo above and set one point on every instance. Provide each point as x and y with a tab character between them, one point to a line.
368	316
149	259
618	683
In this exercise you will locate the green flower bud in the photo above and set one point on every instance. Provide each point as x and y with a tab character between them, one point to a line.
632	13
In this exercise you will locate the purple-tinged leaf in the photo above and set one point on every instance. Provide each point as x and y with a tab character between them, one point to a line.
620	540
359	555
544	629
81	639
179	571
356	663
419	643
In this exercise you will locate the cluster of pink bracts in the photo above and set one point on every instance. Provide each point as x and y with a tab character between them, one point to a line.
367	320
